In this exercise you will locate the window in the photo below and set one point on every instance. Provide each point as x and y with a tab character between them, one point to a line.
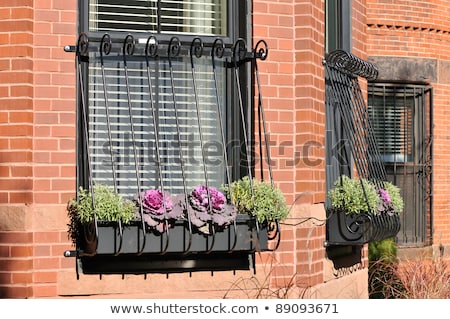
391	109
401	115
114	83
207	17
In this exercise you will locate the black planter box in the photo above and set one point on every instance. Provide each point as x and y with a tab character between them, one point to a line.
359	229
243	235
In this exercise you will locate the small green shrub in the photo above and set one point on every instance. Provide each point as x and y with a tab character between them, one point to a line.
385	250
265	202
354	195
109	206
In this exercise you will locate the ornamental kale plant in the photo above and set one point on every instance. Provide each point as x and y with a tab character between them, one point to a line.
207	205
385	205
390	199
396	198
157	209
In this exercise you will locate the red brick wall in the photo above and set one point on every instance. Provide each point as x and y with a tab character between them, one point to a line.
37	142
421	29
292	79
37	136
294	92
16	116
16	143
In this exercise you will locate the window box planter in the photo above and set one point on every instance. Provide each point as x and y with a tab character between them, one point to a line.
134	251
130	245
243	235
359	229
362	211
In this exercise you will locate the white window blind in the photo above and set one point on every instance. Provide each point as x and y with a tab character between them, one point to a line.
391	110
204	17
110	78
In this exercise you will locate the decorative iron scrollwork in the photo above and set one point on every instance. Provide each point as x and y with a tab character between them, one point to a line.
359	229
352	65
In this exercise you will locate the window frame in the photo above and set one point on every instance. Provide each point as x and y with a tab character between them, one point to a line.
338	36
338	25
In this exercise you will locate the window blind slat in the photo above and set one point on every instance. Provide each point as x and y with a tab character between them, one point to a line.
206	17
121	139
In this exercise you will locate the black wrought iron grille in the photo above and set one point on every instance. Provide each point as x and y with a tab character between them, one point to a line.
351	143
153	143
402	118
142	125
344	95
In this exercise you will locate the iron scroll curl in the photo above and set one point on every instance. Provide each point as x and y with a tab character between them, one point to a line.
352	65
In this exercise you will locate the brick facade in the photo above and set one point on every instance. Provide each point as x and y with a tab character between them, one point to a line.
37	142
37	138
420	31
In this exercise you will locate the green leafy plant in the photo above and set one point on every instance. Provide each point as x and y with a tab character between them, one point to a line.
109	206
257	198
385	250
383	262
354	195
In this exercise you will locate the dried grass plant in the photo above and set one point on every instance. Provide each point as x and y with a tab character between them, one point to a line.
261	287
413	279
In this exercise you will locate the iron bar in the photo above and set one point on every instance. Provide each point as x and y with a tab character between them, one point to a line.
217	51
151	52
173	51
197	51
82	55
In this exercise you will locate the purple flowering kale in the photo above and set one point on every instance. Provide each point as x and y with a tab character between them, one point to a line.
208	205
155	202
384	196
385	201
158	209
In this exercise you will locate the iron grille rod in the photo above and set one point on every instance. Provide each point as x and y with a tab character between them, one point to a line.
261	49
83	48
240	47
239	50
105	49
173	51
151	53
197	51
217	51
128	50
